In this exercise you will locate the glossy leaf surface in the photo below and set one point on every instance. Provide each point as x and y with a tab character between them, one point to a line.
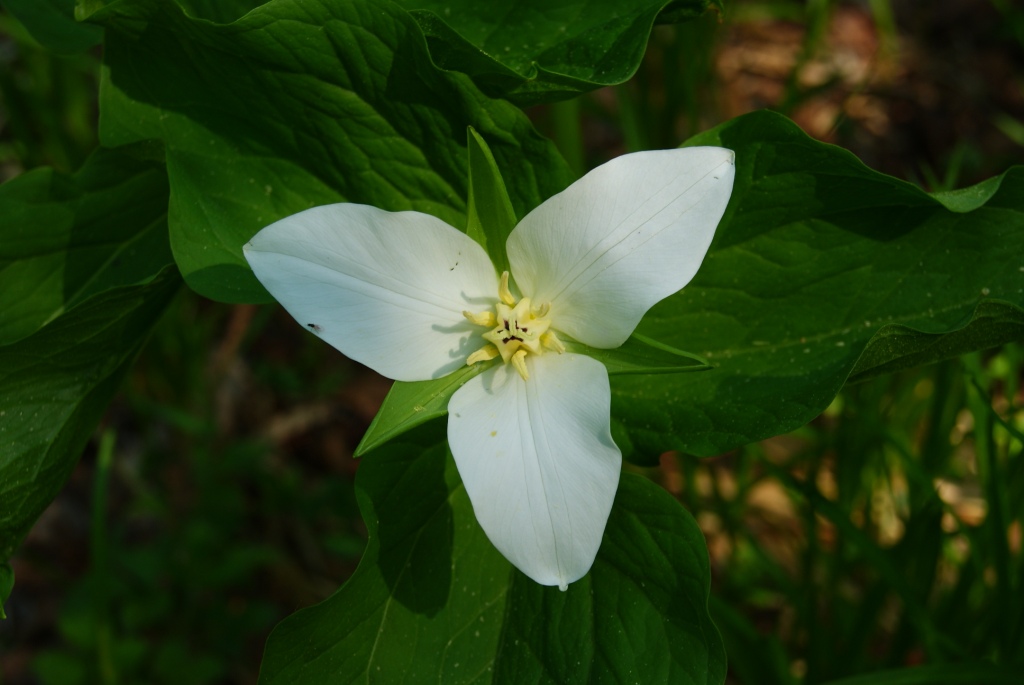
533	51
317	101
821	271
55	386
490	217
86	273
433	601
68	237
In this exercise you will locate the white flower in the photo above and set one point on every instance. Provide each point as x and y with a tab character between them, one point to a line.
415	299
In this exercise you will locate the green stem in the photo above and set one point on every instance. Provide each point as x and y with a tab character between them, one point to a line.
101	599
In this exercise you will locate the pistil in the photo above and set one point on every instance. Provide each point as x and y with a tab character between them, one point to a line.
517	329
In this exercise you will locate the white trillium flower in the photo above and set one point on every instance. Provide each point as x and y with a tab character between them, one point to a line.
415	299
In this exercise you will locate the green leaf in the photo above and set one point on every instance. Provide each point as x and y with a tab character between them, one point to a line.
408	405
969	199
52	23
896	347
641	355
316	101
6	585
219	11
490	215
533	51
433	601
85	271
822	268
65	238
640	615
55	386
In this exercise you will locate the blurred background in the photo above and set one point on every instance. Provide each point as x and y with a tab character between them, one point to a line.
217	496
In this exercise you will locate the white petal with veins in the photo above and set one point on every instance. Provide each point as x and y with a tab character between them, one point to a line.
625	236
538	461
386	288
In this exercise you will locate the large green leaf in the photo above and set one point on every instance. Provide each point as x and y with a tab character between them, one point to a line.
533	51
823	268
85	271
433	601
528	51
66	238
298	103
52	23
55	386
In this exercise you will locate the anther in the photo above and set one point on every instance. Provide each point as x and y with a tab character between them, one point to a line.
485	353
503	291
482	319
519	361
551	341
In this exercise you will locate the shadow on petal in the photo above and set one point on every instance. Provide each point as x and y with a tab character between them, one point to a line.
467	345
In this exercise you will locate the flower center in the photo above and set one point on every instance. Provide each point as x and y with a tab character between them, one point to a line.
516	330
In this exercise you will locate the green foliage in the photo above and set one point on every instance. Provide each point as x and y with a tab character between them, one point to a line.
55	386
408	405
821	268
67	238
536	53
886	487
86	272
52	23
541	52
192	555
220	11
641	356
432	597
825	277
189	631
317	102
490	217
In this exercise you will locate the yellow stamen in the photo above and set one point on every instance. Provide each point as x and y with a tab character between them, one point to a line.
504	293
519	361
551	341
485	353
517	330
482	319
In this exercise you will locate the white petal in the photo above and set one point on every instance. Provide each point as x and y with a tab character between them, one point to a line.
386	288
538	461
626	235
